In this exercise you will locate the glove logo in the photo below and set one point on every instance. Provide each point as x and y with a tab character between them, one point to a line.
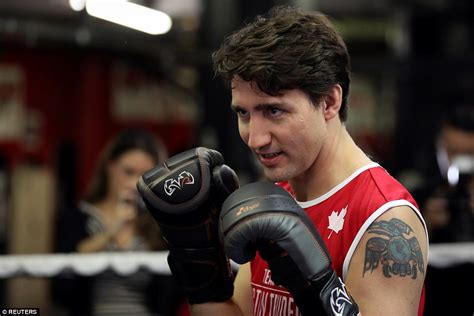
171	185
247	208
339	298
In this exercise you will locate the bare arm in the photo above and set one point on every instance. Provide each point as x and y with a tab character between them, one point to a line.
240	304
387	271
94	243
121	228
100	241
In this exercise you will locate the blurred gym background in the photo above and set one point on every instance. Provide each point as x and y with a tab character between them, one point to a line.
70	80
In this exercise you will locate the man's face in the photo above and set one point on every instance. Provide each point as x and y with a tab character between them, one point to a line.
459	146
285	132
457	142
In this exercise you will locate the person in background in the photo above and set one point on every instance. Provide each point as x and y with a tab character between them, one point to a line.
109	218
449	204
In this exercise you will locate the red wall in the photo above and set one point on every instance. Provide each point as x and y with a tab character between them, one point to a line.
71	94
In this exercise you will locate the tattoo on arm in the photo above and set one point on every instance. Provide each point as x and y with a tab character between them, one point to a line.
394	249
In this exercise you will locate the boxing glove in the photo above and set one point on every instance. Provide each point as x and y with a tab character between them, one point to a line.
263	217
184	195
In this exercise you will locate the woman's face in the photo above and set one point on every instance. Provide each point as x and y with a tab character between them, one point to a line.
124	173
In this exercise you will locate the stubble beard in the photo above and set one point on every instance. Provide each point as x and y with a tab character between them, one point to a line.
275	175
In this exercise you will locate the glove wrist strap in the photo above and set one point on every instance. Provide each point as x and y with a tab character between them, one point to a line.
334	296
204	274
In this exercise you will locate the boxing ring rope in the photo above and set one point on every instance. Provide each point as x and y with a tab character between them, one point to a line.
48	265
126	263
451	254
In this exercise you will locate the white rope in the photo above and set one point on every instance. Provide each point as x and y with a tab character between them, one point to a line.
451	254
48	265
125	263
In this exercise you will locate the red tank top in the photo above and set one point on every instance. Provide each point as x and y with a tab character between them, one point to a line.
358	200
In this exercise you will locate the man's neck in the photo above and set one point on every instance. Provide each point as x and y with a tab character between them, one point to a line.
338	159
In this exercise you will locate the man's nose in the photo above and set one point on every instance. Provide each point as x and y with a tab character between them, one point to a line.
258	134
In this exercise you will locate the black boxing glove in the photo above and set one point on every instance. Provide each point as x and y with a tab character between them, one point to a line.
265	217
184	195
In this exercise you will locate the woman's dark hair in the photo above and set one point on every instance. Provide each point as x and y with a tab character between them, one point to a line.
287	49
123	143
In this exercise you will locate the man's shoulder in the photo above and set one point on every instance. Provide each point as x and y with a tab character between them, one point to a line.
387	186
369	191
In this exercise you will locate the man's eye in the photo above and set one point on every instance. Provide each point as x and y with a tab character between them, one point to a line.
241	113
274	111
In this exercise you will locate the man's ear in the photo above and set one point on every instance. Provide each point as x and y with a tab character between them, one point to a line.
332	102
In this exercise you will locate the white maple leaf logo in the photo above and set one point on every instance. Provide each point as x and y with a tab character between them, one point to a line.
336	220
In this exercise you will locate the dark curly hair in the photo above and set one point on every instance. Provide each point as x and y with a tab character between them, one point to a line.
287	49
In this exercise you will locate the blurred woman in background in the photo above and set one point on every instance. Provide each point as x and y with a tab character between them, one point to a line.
115	222
110	218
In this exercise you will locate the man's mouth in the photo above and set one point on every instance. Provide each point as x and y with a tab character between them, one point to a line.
271	155
270	159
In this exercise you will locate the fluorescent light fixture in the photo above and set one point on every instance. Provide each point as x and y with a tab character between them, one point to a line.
77	5
130	15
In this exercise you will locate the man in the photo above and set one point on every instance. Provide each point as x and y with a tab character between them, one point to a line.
289	76
449	206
